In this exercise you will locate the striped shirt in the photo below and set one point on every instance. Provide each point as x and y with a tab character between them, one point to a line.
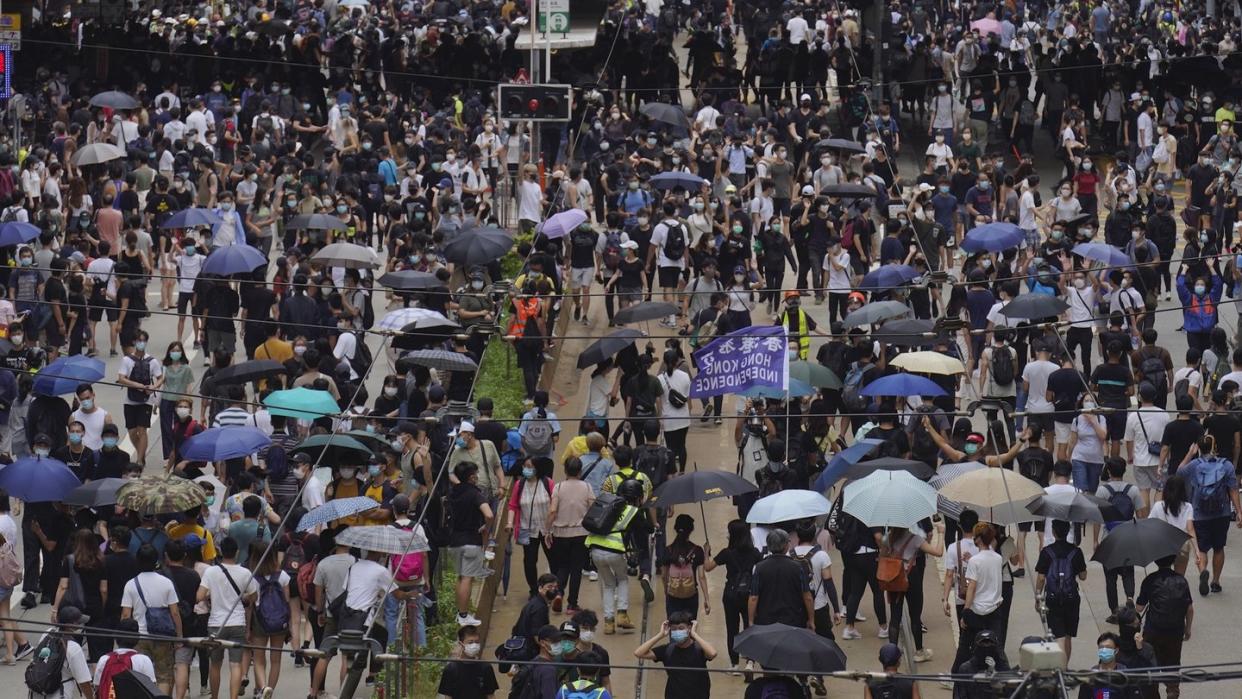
233	416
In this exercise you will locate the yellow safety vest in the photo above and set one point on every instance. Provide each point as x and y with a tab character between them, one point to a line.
804	335
614	541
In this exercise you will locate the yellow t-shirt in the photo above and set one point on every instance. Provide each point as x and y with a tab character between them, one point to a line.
179	530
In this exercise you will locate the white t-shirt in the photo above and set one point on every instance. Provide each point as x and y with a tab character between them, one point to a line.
8	527
968	551
659	236
1081	302
156	589
188	267
346	347
224	598
1153	421
74	673
820	562
138	663
1026	211
1036	373
530	201
127	368
1053	490
1234	376
798	30
1184	515
367	581
675	418
839	280
1191	374
984	568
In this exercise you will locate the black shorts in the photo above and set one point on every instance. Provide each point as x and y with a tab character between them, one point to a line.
1041	420
137	416
183	301
668	277
1212	533
99	306
1116	424
1063	621
781	206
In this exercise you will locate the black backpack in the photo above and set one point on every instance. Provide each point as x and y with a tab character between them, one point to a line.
602	515
1154	373
674	241
1181	388
653	460
1166	606
43	674
362	359
141	373
1003	370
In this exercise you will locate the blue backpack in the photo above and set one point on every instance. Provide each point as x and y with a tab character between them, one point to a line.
511	457
273	608
1211	488
1060	588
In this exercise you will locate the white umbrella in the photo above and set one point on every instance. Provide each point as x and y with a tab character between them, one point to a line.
890	499
395	320
96	153
788	505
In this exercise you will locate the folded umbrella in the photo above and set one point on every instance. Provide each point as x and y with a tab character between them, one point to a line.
97	493
442	360
383	539
890	499
875	313
699	486
63	375
17	233
347	255
477	246
38	479
253	370
888	276
1138	543
903	385
1102	253
814	374
842	145
333	449
673	180
191	218
234	259
96	153
410	280
1034	306
560	225
787	506
849	190
993	237
929	363
302	403
789	648
608	346
157	495
113	99
333	510
645	310
842	460
220	443
316	222
862	469
1074	507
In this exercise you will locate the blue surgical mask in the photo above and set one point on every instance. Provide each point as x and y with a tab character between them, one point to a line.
1200	289
397	445
460	443
140	345
109	442
175	355
678	635
970	448
75	437
369	427
374	470
944	189
211	500
528	472
189	251
1106	655
88	403
342	209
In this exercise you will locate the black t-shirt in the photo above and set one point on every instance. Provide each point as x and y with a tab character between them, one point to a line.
222	307
465	500
110	463
1179	435
1224	428
90	584
137	295
120	568
779	583
160	205
82	464
646	391
1108	337
1111	381
582	248
185	581
682	684
258	304
737	562
1035	463
1066	385
1144	598
468	681
604	659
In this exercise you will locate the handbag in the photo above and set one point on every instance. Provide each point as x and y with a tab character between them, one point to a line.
675	398
75	594
1153	448
890	571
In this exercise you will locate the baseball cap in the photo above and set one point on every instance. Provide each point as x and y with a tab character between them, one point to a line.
975	437
804	98
570	629
630	245
924	187
69	614
890	654
1134	97
466	426
808	191
730	189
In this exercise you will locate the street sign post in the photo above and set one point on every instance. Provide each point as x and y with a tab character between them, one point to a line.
554	17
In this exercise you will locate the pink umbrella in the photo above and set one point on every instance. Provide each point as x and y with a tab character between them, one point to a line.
987	25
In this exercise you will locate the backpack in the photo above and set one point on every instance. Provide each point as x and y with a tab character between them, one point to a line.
603	514
523	685
272	610
538	437
1153	371
511	458
118	662
808	568
591	691
847	235
159	619
612	250
681	583
141	373
295	556
1210	489
276	462
1181	388
738	589
1003	370
10	567
674	241
1061	588
1026	113
306	581
770	485
652	460
582	238
362	359
1120	499
851	395
1218	372
43	674
1166	607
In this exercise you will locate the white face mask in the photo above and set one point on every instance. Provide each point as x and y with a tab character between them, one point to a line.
390	391
183	413
472	649
586	636
1080	283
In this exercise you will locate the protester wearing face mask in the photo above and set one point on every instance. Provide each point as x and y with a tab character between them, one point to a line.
529	504
1200	301
679	645
468	680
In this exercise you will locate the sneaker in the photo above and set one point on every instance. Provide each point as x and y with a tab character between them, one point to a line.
648	593
23	651
577	313
883	632
735	670
719	421
610	627
817	685
859	618
1216	589
922	655
558	604
468	620
749	673
267	692
945	684
204	691
851	634
1110	619
1203	583
593	576
29	601
585	320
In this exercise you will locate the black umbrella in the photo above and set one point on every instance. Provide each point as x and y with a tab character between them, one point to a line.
790	648
478	246
1034	306
647	310
424	333
841	144
862	469
666	113
335	449
607	346
907	333
849	190
100	493
699	486
253	370
1138	543
1074	507
114	100
410	280
315	222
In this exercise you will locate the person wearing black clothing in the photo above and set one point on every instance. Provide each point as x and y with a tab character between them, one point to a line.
490	430
78	458
685	649
988	656
110	460
465	680
1225	428
894	688
1113	384
131	299
1063	605
1180	434
185	581
258	301
1065	385
779	591
471	514
1168	612
536	613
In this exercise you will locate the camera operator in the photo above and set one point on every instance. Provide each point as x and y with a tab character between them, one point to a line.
476	305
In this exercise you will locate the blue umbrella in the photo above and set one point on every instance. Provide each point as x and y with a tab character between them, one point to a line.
673	180
189	218
888	276
234	259
38	479
902	385
63	375
993	237
842	460
220	443
334	510
1103	252
559	225
797	389
303	403
17	232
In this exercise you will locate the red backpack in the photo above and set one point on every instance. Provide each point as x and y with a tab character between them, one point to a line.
306	581
118	662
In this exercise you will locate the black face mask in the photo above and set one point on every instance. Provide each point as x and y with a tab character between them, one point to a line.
551	594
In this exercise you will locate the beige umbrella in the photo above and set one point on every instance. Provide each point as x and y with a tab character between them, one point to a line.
96	153
998	494
929	363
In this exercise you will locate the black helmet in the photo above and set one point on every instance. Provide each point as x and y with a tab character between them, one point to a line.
631	490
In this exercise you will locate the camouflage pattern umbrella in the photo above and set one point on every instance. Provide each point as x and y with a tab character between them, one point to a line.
157	495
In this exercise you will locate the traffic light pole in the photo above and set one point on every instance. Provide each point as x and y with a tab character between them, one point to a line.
536	76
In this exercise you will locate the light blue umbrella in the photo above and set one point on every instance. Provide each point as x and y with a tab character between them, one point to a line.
234	259
302	403
993	237
63	375
334	510
902	385
887	277
673	180
797	389
890	499
1103	253
788	505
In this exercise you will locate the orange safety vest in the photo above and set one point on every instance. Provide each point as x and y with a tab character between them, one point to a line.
523	311
1206	302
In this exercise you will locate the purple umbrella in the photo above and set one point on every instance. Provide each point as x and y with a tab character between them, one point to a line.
560	225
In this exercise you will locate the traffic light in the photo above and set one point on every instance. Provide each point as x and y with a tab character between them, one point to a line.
534	102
